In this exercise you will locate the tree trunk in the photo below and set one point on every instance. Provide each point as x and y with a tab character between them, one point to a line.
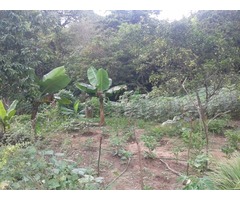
203	118
102	119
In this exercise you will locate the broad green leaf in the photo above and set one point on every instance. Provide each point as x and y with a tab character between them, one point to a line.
103	80
54	81
76	105
11	114
92	76
2	110
86	88
58	71
12	108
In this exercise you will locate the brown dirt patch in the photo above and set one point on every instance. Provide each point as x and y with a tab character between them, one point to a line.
83	147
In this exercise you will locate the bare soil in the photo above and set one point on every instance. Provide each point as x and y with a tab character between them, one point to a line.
83	148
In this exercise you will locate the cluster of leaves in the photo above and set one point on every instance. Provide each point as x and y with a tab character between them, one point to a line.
31	169
233	142
7	114
196	183
163	108
227	175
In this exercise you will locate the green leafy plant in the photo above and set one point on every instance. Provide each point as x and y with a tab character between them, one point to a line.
233	138
51	83
196	183
72	112
7	114
100	86
200	162
217	126
227	175
32	169
151	143
99	83
196	142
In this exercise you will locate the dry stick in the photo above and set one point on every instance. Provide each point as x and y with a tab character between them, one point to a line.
140	160
189	146
172	170
167	158
99	155
119	174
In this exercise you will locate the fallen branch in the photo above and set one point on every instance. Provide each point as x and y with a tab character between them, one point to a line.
119	174
168	158
217	115
172	170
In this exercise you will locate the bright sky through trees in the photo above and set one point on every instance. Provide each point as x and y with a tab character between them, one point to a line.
170	15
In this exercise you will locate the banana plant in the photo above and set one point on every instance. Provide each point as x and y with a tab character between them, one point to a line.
7	114
50	84
99	86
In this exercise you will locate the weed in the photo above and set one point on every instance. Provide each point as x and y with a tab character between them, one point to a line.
217	126
30	169
200	162
227	175
196	142
151	143
196	183
123	154
233	138
176	151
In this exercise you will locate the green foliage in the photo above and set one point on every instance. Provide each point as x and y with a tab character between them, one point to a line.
227	175
233	142
31	169
200	162
151	143
54	81
196	183
164	108
123	154
6	115
34	46
196	142
158	132
98	79
217	126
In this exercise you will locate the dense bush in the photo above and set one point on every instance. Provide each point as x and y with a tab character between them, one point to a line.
163	108
31	169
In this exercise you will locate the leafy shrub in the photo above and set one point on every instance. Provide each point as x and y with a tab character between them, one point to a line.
200	162
157	132
30	169
196	183
20	132
161	108
197	141
227	175
233	142
217	126
151	143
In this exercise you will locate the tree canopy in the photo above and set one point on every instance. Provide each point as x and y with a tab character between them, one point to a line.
137	49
